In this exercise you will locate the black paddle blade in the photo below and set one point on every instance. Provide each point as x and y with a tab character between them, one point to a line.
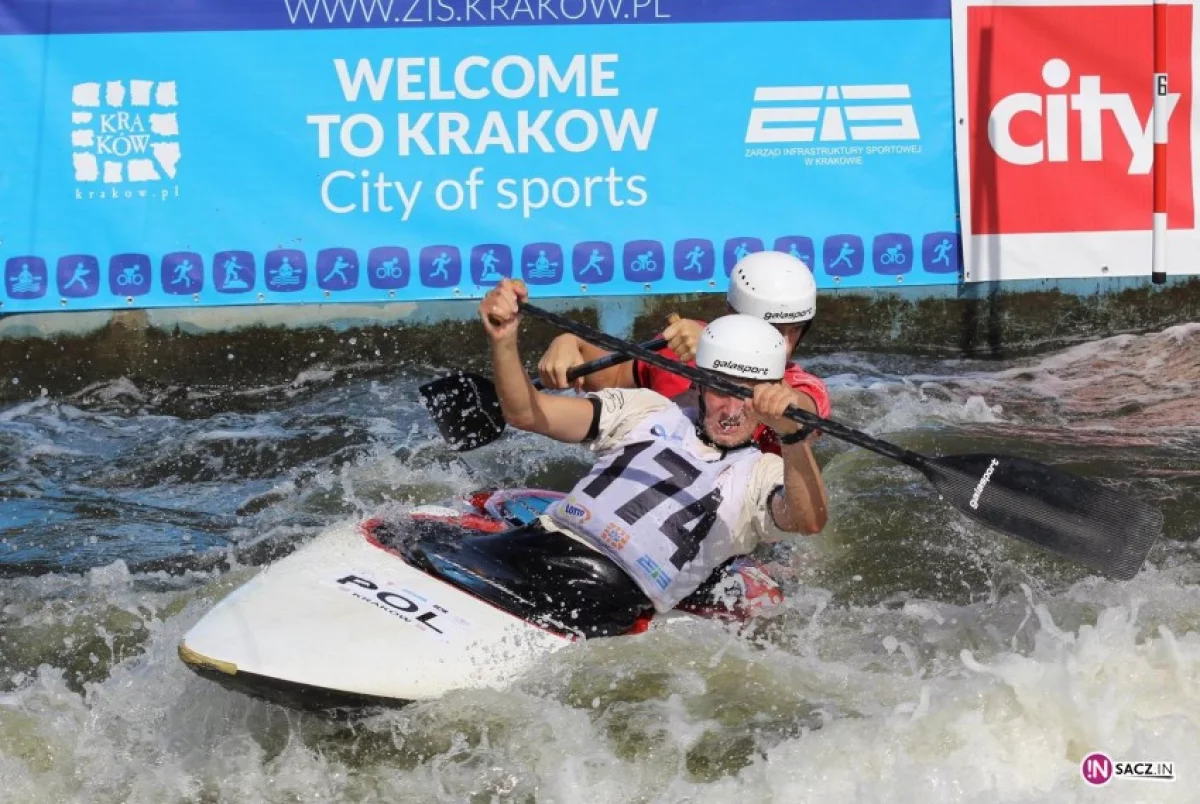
465	408
1066	514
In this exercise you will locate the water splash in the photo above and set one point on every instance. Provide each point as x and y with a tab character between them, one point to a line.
917	658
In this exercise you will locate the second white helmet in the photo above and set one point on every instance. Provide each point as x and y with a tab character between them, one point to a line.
773	286
743	346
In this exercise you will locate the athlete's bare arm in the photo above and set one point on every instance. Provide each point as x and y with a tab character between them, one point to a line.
562	418
804	505
567	351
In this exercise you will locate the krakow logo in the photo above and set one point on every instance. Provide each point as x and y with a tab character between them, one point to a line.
122	133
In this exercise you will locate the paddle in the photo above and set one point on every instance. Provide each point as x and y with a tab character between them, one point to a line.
467	410
1057	511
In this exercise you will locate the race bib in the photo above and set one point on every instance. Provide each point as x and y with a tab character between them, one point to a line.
659	508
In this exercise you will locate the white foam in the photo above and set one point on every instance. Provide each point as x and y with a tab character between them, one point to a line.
614	721
313	375
1016	727
915	700
261	433
23	409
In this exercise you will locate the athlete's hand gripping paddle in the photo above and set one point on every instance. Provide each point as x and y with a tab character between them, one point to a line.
1074	517
467	410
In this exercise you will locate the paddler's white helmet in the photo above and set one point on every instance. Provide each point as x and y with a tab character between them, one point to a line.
773	286
743	346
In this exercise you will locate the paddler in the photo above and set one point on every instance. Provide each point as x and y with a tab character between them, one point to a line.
775	286
772	285
675	492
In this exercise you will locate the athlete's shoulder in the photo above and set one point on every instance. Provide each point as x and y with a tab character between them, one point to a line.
623	411
621	396
666	383
626	401
795	373
768	461
810	384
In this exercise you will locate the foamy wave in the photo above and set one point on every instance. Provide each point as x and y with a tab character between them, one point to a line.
1015	728
854	708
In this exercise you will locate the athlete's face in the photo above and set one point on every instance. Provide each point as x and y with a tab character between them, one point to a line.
792	333
727	419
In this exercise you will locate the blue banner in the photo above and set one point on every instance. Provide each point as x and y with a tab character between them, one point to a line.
285	166
128	16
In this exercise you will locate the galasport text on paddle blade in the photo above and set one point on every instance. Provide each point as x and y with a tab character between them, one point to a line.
1078	518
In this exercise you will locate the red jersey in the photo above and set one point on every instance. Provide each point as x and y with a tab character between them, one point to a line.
672	385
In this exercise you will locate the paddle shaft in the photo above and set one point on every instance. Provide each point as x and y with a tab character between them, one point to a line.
716	382
601	363
1076	518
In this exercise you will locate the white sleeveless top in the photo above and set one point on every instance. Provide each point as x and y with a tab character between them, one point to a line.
665	506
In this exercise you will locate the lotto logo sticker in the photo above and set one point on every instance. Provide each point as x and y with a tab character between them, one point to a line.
1061	136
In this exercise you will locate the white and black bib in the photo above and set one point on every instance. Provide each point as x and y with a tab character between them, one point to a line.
662	505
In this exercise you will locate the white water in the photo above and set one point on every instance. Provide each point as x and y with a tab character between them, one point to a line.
981	673
927	704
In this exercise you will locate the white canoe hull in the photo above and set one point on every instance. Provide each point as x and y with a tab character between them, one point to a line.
344	618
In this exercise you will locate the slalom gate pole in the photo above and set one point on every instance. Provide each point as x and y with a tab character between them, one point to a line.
1158	264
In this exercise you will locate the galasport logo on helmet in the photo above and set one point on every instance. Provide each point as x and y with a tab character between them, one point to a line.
789	316
1061	137
729	364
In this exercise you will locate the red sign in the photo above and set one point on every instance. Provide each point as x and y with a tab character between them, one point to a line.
1061	135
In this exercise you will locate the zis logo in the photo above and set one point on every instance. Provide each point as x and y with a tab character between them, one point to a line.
1059	115
124	133
847	113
